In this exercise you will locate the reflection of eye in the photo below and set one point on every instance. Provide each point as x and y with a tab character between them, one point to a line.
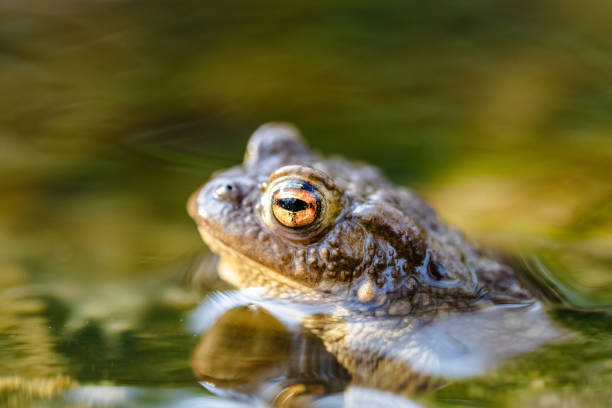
296	204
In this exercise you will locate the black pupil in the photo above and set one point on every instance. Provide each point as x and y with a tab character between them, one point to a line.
292	204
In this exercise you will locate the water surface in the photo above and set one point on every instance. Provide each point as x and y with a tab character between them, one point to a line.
113	112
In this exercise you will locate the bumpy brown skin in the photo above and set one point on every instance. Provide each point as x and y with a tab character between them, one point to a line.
380	244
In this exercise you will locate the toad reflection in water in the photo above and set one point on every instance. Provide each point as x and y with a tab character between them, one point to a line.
340	273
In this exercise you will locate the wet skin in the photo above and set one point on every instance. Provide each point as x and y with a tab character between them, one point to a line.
291	220
399	298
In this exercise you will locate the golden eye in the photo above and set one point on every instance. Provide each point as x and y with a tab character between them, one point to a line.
300	203
296	203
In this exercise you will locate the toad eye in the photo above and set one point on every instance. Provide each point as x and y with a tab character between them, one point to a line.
296	203
299	203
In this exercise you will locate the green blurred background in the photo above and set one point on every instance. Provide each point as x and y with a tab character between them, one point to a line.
112	112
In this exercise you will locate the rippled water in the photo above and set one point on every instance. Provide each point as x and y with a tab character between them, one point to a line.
113	112
239	349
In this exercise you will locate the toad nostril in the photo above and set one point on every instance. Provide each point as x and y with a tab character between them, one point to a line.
228	191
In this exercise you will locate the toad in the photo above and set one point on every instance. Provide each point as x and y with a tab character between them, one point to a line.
289	219
394	293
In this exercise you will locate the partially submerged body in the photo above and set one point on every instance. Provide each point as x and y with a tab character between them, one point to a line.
289	218
395	294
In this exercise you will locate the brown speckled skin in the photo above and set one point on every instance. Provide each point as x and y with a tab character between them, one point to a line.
380	235
400	282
